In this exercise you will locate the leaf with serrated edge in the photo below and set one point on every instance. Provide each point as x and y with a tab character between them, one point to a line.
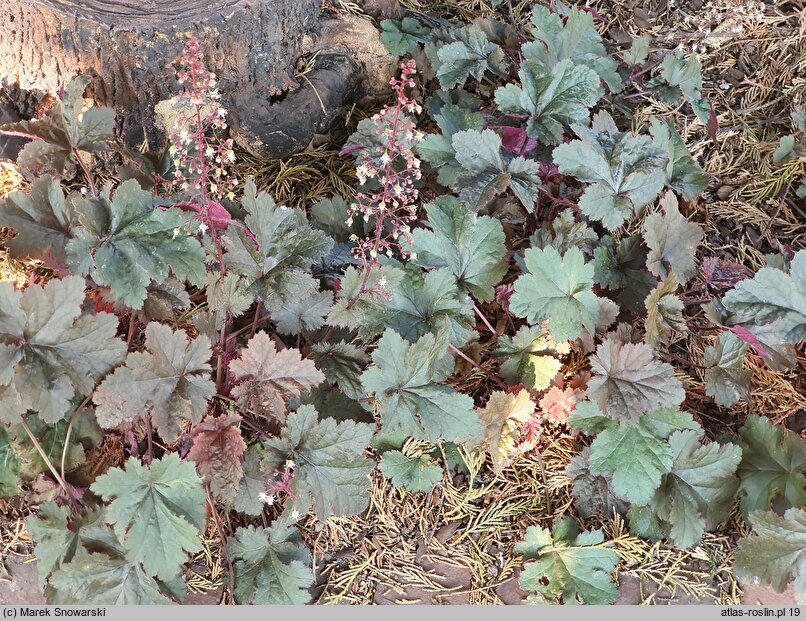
625	170
664	312
558	289
672	241
471	54
528	357
217	451
405	380
276	260
170	381
726	379
247	499
41	218
306	314
330	473
157	511
99	579
576	565
51	352
698	490
771	471
573	38
486	174
775	552
593	494
682	171
628	379
342	364
552	97
773	295
271	566
125	243
471	247
420	303
500	420
267	378
634	457
416	474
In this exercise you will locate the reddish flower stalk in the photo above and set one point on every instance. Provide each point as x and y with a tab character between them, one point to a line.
199	157
396	168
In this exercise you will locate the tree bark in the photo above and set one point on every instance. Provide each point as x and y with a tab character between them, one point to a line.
131	49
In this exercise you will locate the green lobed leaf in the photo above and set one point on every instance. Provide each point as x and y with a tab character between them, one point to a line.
420	303
773	296
471	247
247	499
574	39
101	579
664	312
775	552
125	243
551	96
626	170
621	266
406	381
402	37
271	566
576	565
51	353
416	474
342	364
275	264
485	173
331	473
564	233
227	296
157	511
9	467
41	218
588	419
771	472
170	381
628	379
636	456
698	490
470	54
726	379
558	289
65	128
683	173
528	358
673	241
266	378
438	150
304	315
593	494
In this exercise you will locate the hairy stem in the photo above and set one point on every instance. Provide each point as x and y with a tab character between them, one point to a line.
67	435
44	456
475	364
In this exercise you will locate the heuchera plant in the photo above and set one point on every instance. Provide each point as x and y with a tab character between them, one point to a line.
248	363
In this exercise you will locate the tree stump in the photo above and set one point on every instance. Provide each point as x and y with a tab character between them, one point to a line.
131	49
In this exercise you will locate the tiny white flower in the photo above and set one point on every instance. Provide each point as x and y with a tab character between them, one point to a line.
266	498
176	232
295	515
203	228
289	464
